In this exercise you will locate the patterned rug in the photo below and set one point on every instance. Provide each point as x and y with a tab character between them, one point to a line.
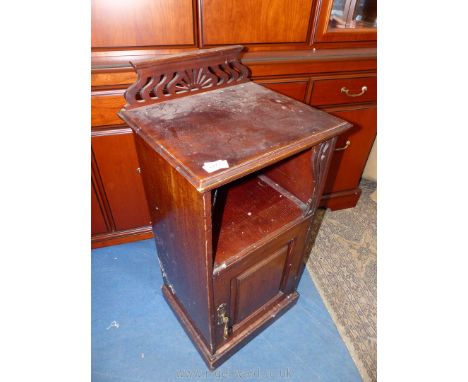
343	265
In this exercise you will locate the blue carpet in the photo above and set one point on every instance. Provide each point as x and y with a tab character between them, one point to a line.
136	337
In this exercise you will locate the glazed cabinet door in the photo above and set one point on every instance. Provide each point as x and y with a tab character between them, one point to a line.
247	290
346	20
119	171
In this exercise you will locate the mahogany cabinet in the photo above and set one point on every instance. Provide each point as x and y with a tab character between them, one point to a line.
283	51
129	23
122	198
352	98
233	173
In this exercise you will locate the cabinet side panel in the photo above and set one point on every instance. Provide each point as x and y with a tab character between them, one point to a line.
295	175
181	222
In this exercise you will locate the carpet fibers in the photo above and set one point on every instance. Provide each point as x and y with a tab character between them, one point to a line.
343	265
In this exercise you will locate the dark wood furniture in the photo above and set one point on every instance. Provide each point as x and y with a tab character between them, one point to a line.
284	51
233	173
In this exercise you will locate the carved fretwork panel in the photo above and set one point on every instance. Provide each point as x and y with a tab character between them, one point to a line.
168	77
321	155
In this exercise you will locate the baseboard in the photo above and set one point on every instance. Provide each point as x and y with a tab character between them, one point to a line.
341	200
121	237
239	340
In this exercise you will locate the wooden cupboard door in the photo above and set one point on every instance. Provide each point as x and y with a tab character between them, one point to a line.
129	23
118	167
258	284
260	21
259	280
348	163
293	89
98	224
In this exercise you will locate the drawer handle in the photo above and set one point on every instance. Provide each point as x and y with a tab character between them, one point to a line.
345	90
344	147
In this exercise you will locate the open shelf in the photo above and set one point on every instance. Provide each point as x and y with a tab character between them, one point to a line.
247	211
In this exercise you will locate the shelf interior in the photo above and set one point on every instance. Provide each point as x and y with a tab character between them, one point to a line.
248	210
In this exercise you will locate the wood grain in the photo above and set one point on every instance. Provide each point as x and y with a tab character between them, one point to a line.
118	167
250	210
105	106
260	21
264	278
347	165
182	226
130	23
328	92
98	224
206	121
293	89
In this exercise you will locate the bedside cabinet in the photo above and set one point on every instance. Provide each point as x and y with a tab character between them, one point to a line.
233	173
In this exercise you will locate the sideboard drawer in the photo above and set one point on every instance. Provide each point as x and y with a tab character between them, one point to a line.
104	108
344	90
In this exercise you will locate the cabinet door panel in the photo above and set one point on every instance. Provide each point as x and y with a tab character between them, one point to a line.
296	89
98	224
347	165
264	278
118	166
261	21
128	23
104	109
260	279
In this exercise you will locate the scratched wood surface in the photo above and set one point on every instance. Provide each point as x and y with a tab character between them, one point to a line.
245	124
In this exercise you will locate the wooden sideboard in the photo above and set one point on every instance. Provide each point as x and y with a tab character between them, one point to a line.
286	50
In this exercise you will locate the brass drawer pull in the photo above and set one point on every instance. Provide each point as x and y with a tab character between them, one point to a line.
345	90
344	147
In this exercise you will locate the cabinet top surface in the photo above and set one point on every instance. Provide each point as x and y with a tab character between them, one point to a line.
214	137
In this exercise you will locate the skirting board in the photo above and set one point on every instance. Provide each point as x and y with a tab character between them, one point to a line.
239	340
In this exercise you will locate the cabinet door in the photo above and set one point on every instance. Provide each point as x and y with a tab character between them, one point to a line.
251	287
98	224
346	20
118	167
350	158
127	23
260	21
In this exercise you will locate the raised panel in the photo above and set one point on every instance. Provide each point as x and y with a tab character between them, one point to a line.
137	23
119	169
296	89
104	108
260	21
98	224
347	165
259	284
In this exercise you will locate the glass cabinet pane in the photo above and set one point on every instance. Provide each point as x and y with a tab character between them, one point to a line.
353	14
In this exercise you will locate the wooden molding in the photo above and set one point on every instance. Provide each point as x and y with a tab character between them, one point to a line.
169	77
121	237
